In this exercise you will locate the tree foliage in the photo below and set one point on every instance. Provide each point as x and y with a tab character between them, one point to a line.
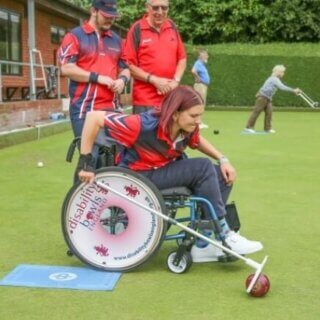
215	21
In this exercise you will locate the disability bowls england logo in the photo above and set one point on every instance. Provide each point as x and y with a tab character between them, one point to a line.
62	276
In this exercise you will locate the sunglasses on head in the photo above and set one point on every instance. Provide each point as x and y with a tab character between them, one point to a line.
156	8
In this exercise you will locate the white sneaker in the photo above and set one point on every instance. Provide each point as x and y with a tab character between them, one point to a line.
203	126
271	131
249	130
207	254
241	245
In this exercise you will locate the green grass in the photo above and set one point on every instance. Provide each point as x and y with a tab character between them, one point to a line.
268	49
277	195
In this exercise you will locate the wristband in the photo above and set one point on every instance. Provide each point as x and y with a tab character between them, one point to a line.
93	77
124	79
148	77
223	160
176	79
86	163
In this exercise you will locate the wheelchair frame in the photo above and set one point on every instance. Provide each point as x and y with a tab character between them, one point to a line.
180	261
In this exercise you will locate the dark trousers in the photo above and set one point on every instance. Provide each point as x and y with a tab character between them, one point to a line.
199	175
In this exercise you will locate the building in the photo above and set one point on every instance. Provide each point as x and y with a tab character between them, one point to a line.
27	25
30	30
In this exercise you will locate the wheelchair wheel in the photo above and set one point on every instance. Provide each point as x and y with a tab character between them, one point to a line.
108	232
184	264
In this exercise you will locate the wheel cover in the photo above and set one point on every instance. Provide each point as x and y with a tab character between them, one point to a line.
109	232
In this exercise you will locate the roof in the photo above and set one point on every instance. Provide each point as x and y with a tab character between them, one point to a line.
63	8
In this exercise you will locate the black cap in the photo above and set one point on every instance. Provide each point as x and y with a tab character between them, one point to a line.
108	8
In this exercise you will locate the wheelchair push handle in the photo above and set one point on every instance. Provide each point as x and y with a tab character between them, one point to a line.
74	143
106	156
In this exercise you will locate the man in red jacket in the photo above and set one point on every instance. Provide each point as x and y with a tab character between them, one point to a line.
156	56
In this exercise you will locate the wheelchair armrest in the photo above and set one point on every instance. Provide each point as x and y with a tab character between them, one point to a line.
176	192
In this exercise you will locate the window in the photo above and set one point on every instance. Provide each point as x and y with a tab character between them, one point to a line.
10	41
57	33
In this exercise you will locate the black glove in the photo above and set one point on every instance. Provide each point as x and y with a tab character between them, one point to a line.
86	163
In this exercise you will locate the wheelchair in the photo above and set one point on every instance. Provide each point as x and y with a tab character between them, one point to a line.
119	222
118	231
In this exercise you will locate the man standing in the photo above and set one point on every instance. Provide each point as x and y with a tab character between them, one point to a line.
91	56
155	55
201	77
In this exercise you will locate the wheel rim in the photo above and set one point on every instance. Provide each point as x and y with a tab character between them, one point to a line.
181	267
107	231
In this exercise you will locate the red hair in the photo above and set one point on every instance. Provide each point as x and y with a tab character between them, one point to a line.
179	99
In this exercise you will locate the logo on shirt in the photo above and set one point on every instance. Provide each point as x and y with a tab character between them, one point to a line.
114	49
64	52
146	40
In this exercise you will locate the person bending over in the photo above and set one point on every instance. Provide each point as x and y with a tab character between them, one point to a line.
154	144
264	99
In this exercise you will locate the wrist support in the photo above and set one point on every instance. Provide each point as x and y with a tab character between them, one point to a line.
86	163
124	79
93	77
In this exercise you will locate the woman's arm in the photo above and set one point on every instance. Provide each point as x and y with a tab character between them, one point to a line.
228	172
207	148
94	121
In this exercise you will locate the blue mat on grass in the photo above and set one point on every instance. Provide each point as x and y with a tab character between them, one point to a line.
254	133
59	277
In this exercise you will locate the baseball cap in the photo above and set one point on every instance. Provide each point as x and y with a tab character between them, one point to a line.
108	8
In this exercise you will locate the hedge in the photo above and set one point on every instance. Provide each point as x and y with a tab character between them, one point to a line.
239	70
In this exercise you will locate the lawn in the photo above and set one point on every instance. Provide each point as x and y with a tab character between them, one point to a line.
277	195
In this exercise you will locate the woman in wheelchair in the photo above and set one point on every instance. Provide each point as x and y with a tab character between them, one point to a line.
154	144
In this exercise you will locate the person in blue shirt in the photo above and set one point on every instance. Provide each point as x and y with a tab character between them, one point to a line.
264	99
201	77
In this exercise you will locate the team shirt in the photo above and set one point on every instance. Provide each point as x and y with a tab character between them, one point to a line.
146	145
155	52
92	52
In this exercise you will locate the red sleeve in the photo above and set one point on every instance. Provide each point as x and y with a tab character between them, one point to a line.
123	128
122	61
130	52
181	49
69	49
194	139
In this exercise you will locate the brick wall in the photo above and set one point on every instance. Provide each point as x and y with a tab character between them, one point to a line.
43	22
20	114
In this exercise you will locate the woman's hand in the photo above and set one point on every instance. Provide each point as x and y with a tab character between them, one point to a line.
228	173
86	176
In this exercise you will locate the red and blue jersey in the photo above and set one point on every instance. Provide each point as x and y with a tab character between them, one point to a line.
93	52
146	145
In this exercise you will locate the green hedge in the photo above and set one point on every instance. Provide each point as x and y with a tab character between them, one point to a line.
238	71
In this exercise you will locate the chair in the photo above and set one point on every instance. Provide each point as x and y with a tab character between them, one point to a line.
115	230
